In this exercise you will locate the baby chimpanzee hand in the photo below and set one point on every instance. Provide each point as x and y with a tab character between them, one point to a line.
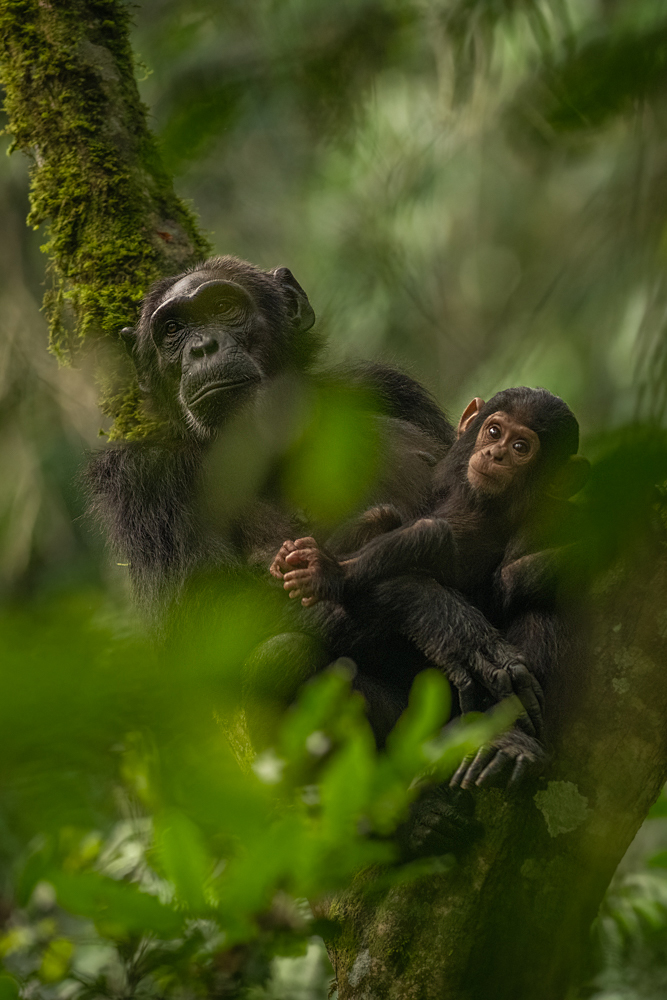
312	574
280	566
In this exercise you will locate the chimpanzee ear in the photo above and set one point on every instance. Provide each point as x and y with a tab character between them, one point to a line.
129	337
299	308
573	476
469	414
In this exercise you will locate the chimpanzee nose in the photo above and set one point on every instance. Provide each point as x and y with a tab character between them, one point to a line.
497	452
204	345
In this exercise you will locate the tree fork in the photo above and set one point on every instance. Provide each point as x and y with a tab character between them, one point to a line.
114	221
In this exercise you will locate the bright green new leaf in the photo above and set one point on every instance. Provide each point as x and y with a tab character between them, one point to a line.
56	960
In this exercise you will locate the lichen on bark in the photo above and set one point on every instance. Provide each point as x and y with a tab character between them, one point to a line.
114	222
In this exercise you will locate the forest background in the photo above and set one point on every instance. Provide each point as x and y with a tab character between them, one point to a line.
476	191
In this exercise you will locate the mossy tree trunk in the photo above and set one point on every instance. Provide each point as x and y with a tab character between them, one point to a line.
115	223
511	921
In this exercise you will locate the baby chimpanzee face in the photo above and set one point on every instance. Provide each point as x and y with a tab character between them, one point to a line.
503	453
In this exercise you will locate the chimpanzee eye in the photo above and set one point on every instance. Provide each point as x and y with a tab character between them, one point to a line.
494	431
171	326
230	307
522	447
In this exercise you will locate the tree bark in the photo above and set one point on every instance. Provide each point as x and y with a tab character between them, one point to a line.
115	223
512	918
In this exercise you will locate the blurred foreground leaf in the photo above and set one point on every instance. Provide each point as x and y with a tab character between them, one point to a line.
127	812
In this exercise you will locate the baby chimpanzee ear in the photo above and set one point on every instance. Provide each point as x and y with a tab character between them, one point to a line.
572	477
469	414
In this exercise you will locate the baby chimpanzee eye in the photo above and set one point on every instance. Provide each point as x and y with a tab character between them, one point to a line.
522	447
494	431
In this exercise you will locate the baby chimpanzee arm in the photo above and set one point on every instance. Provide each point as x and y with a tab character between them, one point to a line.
312	573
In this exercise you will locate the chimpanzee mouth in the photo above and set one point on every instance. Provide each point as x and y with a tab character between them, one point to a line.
213	387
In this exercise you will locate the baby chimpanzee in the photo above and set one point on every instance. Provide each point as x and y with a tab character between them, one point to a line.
473	587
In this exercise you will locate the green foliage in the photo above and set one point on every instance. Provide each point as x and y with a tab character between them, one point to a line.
631	938
131	825
337	456
602	79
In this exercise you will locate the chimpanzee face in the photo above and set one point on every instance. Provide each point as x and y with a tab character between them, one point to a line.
206	336
504	452
209	339
525	443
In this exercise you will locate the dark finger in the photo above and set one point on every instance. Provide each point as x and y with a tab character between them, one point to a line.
497	681
460	772
526	692
483	755
496	767
525	723
520	768
523	674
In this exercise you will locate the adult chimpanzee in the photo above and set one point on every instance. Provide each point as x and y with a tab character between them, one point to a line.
500	496
211	347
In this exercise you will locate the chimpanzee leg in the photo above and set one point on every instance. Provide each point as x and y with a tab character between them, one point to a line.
542	639
457	638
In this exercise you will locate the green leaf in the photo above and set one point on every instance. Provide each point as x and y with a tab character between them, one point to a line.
345	787
334	464
319	702
428	710
56	960
9	988
659	807
118	908
183	855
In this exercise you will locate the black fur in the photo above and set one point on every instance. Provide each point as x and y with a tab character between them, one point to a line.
480	599
154	496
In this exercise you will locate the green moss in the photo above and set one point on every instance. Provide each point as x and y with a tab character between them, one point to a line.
114	223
